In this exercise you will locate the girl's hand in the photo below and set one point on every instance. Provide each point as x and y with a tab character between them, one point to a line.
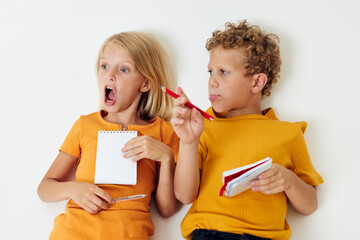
188	123
147	147
90	197
275	180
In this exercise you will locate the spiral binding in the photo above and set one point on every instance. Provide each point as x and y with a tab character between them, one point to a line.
116	131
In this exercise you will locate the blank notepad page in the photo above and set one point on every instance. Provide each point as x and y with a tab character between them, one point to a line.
111	166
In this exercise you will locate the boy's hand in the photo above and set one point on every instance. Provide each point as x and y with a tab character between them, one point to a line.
147	147
188	123
90	197
275	180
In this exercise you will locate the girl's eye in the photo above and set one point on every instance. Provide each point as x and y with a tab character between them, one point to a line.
125	70
104	66
210	72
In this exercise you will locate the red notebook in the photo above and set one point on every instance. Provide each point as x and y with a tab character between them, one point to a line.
237	180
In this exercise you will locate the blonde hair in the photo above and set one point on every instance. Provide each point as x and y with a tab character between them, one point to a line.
262	53
152	61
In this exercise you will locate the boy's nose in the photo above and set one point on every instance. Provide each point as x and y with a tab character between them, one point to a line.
212	82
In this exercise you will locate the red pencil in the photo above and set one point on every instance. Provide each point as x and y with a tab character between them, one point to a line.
188	104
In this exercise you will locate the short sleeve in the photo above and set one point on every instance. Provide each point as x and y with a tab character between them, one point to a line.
71	144
302	165
170	138
173	143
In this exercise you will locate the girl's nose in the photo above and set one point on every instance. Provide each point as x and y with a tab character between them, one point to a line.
111	76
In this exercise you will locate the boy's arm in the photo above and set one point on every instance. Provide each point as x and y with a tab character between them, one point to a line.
188	125
302	196
187	174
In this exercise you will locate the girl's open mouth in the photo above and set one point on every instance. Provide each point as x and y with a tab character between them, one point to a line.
109	96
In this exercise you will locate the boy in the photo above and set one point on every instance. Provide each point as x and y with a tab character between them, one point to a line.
244	63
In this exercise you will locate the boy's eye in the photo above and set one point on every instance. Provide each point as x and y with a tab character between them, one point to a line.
104	66
223	71
210	72
125	70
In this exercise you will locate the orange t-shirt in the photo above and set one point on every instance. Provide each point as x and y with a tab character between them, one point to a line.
123	220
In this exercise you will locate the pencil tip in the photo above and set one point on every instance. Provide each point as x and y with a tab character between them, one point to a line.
162	88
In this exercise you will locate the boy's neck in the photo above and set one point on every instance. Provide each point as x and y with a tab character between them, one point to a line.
243	111
253	107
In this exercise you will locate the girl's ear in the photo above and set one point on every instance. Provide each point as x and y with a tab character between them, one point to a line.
259	82
145	86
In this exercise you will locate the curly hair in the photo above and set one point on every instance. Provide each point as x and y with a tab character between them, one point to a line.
261	50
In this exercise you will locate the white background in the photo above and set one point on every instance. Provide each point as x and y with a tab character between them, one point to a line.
48	51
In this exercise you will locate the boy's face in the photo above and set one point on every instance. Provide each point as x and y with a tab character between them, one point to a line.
230	90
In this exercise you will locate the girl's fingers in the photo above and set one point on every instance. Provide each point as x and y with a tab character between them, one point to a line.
91	207
104	195
133	152
138	157
134	143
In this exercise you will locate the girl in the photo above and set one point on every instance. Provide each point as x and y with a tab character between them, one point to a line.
130	68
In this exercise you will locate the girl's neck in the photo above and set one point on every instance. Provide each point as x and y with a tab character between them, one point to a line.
123	118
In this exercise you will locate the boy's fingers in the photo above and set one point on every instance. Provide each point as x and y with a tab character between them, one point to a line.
177	121
179	110
196	115
183	98
179	91
268	173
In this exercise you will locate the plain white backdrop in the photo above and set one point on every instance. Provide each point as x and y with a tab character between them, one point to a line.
48	51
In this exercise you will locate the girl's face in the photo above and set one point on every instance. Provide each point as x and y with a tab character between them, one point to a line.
229	87
120	82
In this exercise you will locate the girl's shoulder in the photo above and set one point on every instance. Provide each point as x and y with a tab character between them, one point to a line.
85	120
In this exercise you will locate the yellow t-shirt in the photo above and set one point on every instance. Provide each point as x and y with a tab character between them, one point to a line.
123	220
228	143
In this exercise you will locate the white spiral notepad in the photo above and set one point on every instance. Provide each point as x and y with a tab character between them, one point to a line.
111	167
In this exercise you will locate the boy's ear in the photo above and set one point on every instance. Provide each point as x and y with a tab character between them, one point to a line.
259	82
145	87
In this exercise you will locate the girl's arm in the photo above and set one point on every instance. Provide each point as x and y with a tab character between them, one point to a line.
148	147
165	199
55	187
301	195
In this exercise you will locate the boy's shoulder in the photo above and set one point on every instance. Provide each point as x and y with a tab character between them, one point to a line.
269	113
